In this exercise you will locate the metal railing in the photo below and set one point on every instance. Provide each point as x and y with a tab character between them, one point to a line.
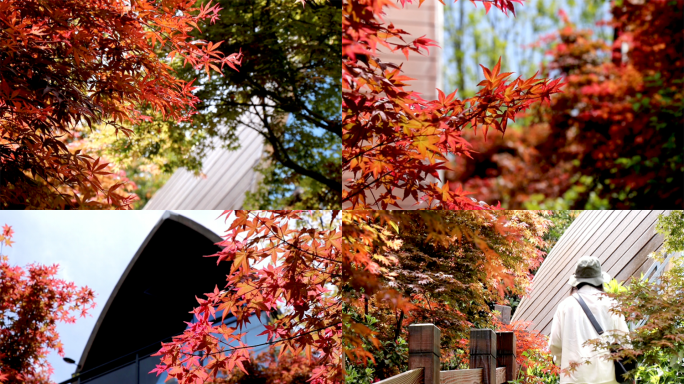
92	374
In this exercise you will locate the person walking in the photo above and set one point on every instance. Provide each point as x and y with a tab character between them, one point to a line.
571	327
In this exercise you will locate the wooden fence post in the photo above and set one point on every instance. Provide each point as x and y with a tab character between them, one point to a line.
483	353
505	311
505	344
505	353
424	351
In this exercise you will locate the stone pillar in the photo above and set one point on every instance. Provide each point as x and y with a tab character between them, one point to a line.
483	353
424	351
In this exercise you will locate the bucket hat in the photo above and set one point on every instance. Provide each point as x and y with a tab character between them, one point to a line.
588	270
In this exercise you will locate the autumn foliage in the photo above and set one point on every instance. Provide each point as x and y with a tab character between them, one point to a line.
74	63
32	302
613	139
532	353
284	265
447	268
270	368
393	139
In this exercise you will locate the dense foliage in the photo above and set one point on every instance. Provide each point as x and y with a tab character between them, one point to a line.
76	63
282	264
287	90
447	268
32	302
535	362
612	139
393	139
560	221
270	368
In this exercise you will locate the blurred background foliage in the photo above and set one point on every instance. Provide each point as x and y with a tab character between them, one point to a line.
612	139
474	37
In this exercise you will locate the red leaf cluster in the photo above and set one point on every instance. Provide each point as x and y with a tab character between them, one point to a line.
282	266
614	137
32	302
78	62
441	267
393	139
270	367
531	350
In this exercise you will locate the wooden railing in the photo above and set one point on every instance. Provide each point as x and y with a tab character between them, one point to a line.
492	357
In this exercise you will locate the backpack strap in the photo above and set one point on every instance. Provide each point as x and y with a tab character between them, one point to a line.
590	315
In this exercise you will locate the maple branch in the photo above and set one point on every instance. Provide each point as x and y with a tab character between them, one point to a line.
333	274
293	103
429	305
363	187
292	245
460	121
281	155
334	126
397	330
384	143
375	199
309	253
268	342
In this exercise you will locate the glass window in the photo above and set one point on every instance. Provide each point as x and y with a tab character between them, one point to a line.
146	365
125	374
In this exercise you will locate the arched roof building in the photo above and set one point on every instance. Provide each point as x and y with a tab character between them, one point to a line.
151	302
621	240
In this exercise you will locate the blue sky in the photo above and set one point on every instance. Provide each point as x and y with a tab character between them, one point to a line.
511	35
92	248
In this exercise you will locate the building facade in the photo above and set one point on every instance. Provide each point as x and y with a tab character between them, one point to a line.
151	303
226	177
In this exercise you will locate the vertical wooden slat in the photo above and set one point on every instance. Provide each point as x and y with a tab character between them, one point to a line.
424	351
505	353
483	353
505	313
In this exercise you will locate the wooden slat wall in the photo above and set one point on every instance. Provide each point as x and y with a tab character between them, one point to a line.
229	174
426	20
621	240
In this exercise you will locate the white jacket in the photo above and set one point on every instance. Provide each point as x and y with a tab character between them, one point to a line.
571	328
